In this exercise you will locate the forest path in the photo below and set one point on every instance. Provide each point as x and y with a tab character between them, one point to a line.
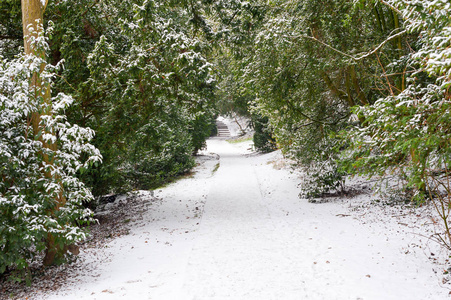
240	251
232	257
242	233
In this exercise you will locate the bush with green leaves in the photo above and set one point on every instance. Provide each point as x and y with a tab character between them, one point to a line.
202	126
141	78
409	132
162	150
406	134
263	136
323	172
34	175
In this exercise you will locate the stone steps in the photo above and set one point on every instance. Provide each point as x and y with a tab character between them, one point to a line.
223	130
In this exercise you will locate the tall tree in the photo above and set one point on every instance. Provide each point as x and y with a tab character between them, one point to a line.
32	23
40	156
33	30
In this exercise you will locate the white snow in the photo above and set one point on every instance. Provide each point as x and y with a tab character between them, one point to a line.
242	233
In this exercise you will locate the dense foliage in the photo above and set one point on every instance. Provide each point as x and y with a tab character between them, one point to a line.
377	71
305	64
137	74
29	183
144	85
410	131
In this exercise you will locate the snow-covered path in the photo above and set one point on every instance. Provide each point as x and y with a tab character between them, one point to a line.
232	257
242	233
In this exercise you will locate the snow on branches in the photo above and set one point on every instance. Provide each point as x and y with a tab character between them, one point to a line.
408	133
32	174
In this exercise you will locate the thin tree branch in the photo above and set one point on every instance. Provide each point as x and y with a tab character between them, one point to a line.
392	7
64	78
381	45
313	120
356	59
320	42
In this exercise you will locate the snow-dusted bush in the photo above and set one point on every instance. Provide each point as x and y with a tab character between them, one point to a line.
263	136
322	172
40	195
321	177
409	133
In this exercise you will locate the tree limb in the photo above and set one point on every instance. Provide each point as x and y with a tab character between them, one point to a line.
313	120
336	91
392	7
356	59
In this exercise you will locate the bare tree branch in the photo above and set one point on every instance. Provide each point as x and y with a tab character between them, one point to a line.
346	54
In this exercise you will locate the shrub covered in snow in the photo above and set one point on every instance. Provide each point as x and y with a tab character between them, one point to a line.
40	195
409	132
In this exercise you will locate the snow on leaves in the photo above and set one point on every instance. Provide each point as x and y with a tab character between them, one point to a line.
26	193
431	20
409	131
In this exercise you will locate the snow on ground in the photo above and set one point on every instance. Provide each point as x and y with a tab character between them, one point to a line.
237	230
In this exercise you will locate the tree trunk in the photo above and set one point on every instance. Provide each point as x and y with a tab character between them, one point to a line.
336	91
32	17
355	82
398	41
32	10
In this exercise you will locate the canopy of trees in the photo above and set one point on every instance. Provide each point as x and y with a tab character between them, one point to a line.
342	87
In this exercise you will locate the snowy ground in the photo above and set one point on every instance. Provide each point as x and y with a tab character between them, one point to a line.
237	230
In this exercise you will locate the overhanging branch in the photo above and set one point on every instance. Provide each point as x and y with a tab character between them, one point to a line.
356	59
